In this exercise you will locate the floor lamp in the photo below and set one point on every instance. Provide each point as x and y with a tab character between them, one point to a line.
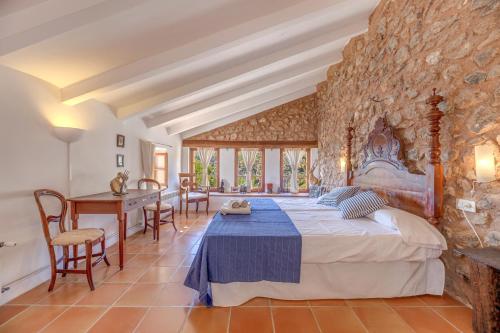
68	135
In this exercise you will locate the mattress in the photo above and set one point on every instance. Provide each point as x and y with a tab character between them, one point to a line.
342	281
293	204
327	238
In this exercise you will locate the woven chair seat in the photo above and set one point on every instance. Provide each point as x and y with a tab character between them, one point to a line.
79	236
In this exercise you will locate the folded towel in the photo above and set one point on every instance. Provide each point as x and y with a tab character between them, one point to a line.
237	203
227	209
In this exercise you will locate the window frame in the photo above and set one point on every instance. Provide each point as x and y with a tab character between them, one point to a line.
192	151
263	161
308	167
165	169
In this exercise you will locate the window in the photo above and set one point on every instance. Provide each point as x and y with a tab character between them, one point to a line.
256	158
196	167
160	167
302	170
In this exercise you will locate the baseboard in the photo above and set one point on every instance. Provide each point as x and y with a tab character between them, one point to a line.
33	279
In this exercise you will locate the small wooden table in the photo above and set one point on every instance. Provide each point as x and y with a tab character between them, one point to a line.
485	278
107	203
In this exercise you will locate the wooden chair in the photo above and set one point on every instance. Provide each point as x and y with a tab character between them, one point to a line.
67	239
190	192
166	209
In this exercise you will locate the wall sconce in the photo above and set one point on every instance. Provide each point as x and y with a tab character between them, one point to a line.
342	164
485	163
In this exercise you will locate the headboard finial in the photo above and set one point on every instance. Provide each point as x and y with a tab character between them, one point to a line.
434	118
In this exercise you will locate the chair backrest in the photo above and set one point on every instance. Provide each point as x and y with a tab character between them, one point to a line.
150	183
46	219
187	181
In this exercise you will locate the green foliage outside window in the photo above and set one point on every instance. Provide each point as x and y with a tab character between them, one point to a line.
256	171
301	176
212	171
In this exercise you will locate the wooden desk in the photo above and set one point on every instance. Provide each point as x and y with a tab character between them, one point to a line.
107	203
485	278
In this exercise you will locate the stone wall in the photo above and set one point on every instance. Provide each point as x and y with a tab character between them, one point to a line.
411	47
293	121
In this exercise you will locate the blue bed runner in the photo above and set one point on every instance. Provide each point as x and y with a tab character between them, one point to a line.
263	204
262	246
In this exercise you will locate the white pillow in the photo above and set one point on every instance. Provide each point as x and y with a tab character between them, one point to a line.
414	229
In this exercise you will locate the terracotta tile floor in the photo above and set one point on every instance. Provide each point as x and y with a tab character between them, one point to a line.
148	296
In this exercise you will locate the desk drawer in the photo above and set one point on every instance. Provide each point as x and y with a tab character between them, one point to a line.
135	203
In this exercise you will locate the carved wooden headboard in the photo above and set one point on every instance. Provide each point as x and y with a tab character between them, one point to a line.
383	171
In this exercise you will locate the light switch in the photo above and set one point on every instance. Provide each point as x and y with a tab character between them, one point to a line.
466	205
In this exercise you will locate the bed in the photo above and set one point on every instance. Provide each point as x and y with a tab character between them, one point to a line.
357	258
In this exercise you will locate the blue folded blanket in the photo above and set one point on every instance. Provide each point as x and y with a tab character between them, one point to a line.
262	246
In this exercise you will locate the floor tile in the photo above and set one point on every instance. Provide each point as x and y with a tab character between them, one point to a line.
140	295
105	294
114	258
33	319
404	301
35	295
338	319
460	317
207	320
127	275
257	301
381	319
67	294
424	320
157	274
283	302
327	302
170	259
251	320
119	320
143	260
9	311
75	319
294	320
163	320
179	275
366	302
444	300
175	294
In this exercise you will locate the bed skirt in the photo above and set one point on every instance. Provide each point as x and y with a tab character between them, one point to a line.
342	281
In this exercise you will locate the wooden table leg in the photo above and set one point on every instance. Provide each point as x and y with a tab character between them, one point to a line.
121	234
125	219
157	219
74	226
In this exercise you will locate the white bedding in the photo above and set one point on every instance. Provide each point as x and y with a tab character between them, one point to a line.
327	238
342	281
292	204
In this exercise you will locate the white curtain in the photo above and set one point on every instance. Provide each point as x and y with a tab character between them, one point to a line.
205	155
294	157
249	157
148	155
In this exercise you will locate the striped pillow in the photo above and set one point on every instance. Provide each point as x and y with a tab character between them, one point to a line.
337	195
361	205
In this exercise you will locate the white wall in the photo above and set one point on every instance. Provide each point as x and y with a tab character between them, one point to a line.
273	167
33	158
227	166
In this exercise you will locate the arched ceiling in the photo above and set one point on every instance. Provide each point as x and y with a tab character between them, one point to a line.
185	65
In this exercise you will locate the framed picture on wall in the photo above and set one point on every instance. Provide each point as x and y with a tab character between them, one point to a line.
120	160
120	141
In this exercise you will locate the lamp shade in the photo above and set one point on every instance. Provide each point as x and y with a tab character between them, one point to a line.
485	163
68	134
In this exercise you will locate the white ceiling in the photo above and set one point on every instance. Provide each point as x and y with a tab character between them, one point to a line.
187	65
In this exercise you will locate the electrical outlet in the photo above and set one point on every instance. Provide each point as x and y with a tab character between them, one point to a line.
466	205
